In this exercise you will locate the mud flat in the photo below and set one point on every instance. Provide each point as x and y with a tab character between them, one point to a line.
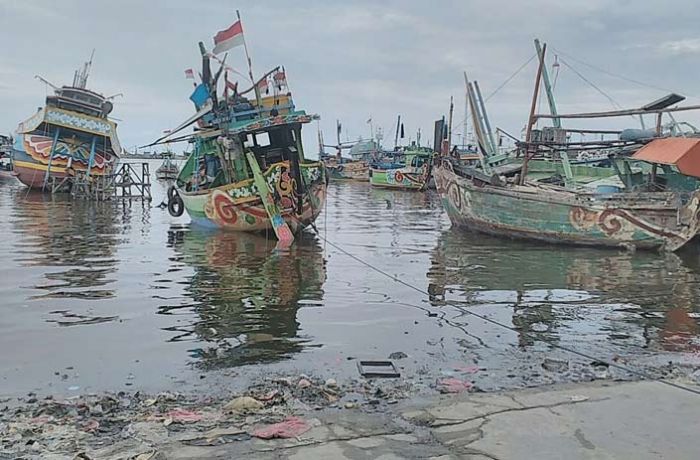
303	417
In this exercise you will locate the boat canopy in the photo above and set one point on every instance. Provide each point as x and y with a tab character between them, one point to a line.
682	152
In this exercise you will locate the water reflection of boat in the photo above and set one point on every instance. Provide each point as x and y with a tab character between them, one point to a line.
77	239
246	294
634	301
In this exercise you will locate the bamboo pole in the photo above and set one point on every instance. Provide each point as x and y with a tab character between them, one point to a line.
531	119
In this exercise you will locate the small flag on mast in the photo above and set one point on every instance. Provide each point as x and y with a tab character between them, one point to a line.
189	74
224	40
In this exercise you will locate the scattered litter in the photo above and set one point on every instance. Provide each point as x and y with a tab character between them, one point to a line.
382	369
243	404
579	398
292	427
398	355
331	383
453	385
555	365
183	416
303	383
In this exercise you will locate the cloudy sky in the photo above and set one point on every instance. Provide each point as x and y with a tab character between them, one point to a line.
354	59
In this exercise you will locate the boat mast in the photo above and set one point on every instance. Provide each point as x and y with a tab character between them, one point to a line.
396	136
250	67
466	110
449	126
556	121
531	118
485	117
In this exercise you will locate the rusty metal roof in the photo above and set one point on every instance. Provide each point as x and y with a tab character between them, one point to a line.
682	152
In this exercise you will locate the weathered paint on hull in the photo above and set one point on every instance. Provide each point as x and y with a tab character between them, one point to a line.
528	213
216	209
31	155
237	207
396	179
358	171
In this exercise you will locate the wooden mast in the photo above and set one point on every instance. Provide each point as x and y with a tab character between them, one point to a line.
250	67
531	118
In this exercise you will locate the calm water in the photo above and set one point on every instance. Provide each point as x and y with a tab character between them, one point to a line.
110	296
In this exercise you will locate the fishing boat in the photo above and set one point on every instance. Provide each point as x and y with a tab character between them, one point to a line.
6	157
71	133
167	170
409	170
247	171
647	199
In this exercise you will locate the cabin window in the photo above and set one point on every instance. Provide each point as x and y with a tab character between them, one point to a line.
262	140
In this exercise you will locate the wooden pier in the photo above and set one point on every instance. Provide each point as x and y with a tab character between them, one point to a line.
129	181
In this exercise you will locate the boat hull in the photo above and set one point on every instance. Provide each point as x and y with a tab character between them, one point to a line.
352	170
400	178
32	157
237	207
555	216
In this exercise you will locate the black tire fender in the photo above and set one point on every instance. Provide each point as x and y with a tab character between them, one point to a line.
175	204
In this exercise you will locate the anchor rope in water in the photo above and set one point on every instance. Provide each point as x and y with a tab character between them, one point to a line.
485	318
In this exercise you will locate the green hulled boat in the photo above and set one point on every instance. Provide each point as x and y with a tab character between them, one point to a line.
247	171
409	171
647	198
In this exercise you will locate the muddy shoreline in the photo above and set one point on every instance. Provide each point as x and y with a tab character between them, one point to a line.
104	425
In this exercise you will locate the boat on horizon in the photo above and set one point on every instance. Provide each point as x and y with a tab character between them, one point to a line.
71	133
167	170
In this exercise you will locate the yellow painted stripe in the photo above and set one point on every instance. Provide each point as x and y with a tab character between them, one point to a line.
40	167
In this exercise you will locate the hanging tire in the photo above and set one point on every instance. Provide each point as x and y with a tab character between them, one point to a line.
175	205
171	192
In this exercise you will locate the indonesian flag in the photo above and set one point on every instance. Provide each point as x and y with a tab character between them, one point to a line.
263	85
280	79
189	74
229	38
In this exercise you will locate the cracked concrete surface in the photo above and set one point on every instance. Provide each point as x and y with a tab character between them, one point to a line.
640	420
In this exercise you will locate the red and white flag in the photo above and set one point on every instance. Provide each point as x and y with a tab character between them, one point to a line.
229	38
189	74
280	79
263	85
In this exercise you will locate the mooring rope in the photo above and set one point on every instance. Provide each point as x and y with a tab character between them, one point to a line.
553	344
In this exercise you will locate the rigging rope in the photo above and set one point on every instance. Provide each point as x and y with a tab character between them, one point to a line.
612	74
553	344
607	96
494	92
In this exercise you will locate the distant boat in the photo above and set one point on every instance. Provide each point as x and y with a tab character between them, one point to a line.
410	170
71	133
167	170
6	157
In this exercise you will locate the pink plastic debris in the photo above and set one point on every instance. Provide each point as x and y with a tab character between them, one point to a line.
453	385
291	428
184	416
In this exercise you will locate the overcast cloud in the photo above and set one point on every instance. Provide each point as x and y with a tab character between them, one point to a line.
351	59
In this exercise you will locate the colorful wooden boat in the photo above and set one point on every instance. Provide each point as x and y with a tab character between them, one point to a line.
410	171
345	169
651	220
649	200
167	170
71	133
247	171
